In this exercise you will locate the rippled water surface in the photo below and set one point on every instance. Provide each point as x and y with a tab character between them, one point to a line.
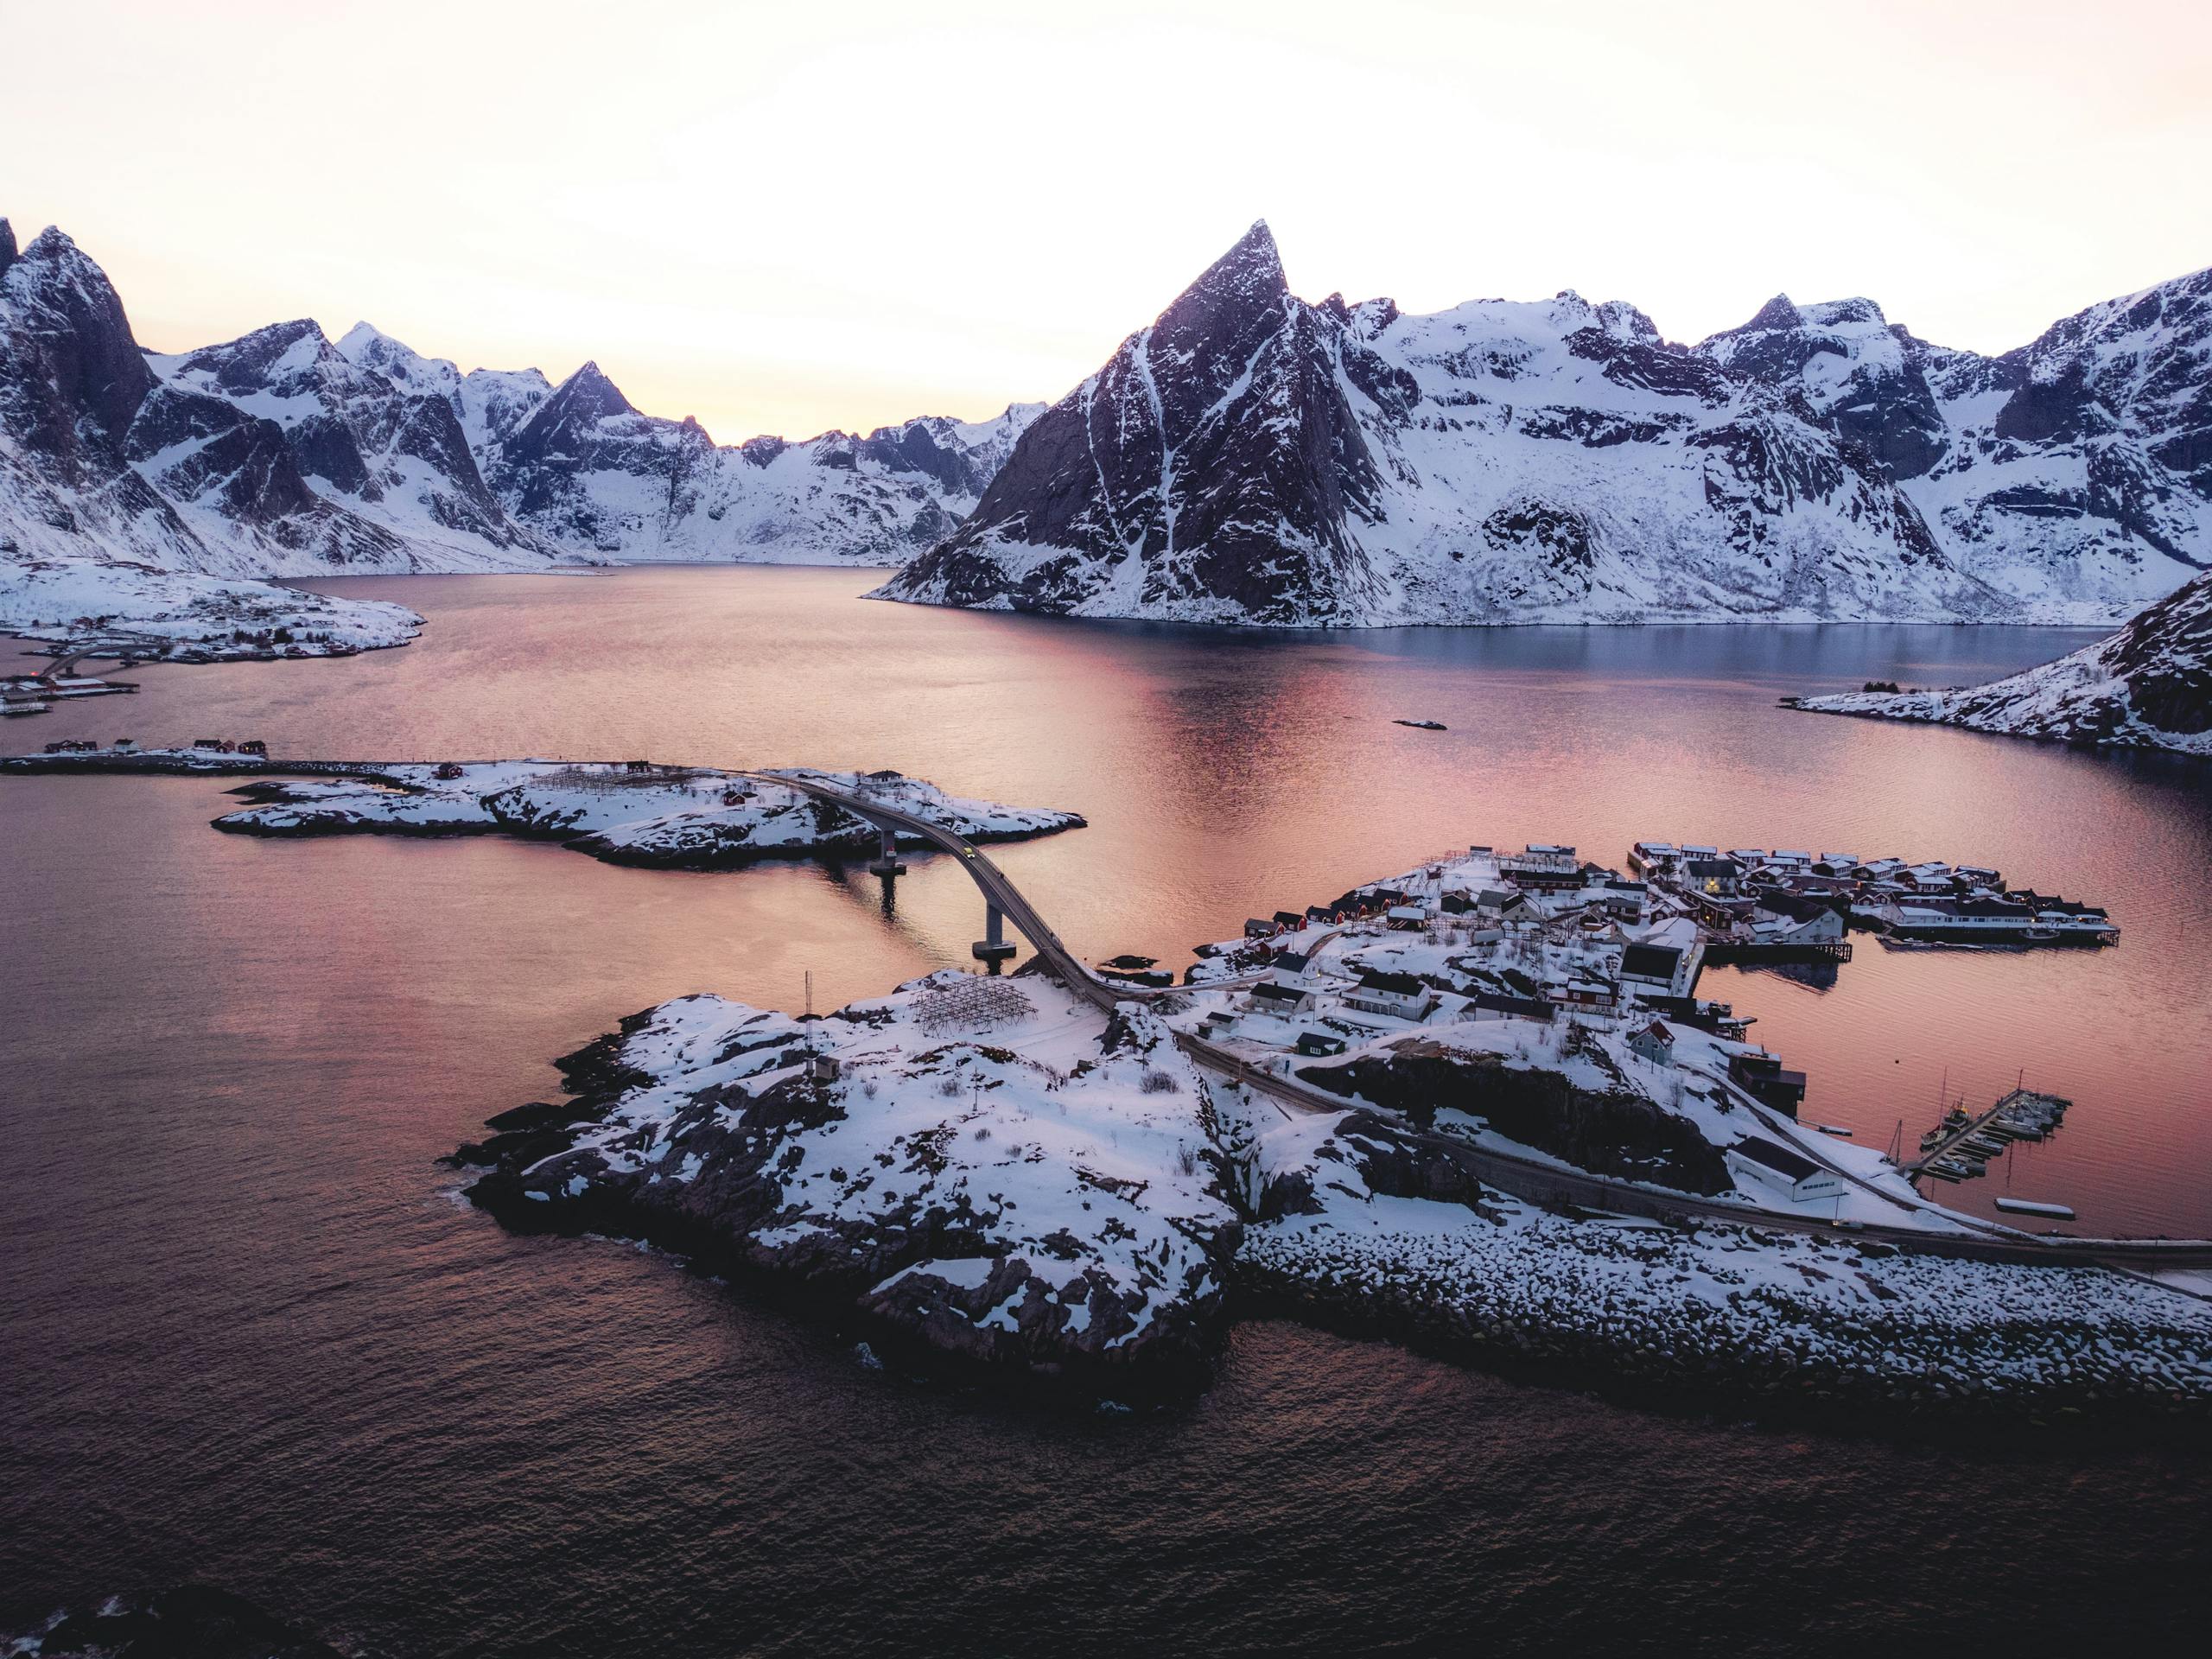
248	1334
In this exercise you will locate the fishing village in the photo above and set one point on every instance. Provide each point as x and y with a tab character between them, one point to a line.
1538	949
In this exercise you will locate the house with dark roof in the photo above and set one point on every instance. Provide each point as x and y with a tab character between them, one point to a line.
1272	996
1783	1170
1655	1042
1399	995
1759	1075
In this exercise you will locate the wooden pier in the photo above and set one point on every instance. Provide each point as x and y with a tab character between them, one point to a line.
1957	1151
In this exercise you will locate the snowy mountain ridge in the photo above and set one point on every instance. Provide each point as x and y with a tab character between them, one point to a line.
1252	458
283	455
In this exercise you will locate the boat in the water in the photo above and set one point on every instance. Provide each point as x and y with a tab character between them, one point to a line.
2031	1207
1423	725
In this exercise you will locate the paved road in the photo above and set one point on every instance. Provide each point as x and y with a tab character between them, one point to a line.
1525	1177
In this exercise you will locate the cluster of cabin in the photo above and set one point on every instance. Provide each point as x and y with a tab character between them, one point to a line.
129	746
1536	935
1749	896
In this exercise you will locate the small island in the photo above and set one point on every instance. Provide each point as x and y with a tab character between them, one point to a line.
634	813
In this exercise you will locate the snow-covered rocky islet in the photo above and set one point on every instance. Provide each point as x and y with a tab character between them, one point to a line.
623	812
998	1171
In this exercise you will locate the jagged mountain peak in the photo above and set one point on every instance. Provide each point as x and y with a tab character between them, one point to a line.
589	394
7	246
1780	312
1246	278
279	352
1836	313
365	339
80	344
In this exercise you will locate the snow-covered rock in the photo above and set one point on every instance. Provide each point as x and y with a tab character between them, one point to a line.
683	817
2149	686
989	1168
1355	1227
1250	458
992	1169
195	617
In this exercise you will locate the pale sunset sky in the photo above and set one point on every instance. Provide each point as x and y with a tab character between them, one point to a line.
787	217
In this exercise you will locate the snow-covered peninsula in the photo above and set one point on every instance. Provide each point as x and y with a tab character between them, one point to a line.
2149	686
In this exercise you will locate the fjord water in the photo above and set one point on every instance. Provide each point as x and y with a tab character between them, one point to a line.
249	1335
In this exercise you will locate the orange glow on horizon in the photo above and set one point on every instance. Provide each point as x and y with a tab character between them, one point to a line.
783	218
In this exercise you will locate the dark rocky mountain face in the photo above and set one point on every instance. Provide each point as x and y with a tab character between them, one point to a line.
71	375
1253	458
281	453
71	379
1214	462
2164	659
395	455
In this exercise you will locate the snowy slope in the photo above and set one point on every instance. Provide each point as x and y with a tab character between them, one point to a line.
583	468
86	532
389	456
1251	458
2074	472
2148	686
1029	1186
282	453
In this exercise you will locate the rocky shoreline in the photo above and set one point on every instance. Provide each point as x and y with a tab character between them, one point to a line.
749	1143
1701	1364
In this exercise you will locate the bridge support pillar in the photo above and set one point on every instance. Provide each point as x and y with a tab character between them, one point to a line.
993	947
886	861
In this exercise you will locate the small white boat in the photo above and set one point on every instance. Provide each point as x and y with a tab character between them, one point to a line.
2031	1207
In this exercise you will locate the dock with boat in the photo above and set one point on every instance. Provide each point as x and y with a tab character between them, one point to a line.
1959	1146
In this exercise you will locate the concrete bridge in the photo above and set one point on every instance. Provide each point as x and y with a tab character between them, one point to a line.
1536	1178
1003	900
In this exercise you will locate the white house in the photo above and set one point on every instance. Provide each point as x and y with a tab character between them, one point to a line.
1779	1169
1274	996
1399	995
1821	926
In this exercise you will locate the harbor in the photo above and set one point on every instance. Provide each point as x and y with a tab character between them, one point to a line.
1750	896
1961	1145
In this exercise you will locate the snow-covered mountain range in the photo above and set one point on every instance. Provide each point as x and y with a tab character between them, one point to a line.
1247	458
2148	686
282	453
1251	458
